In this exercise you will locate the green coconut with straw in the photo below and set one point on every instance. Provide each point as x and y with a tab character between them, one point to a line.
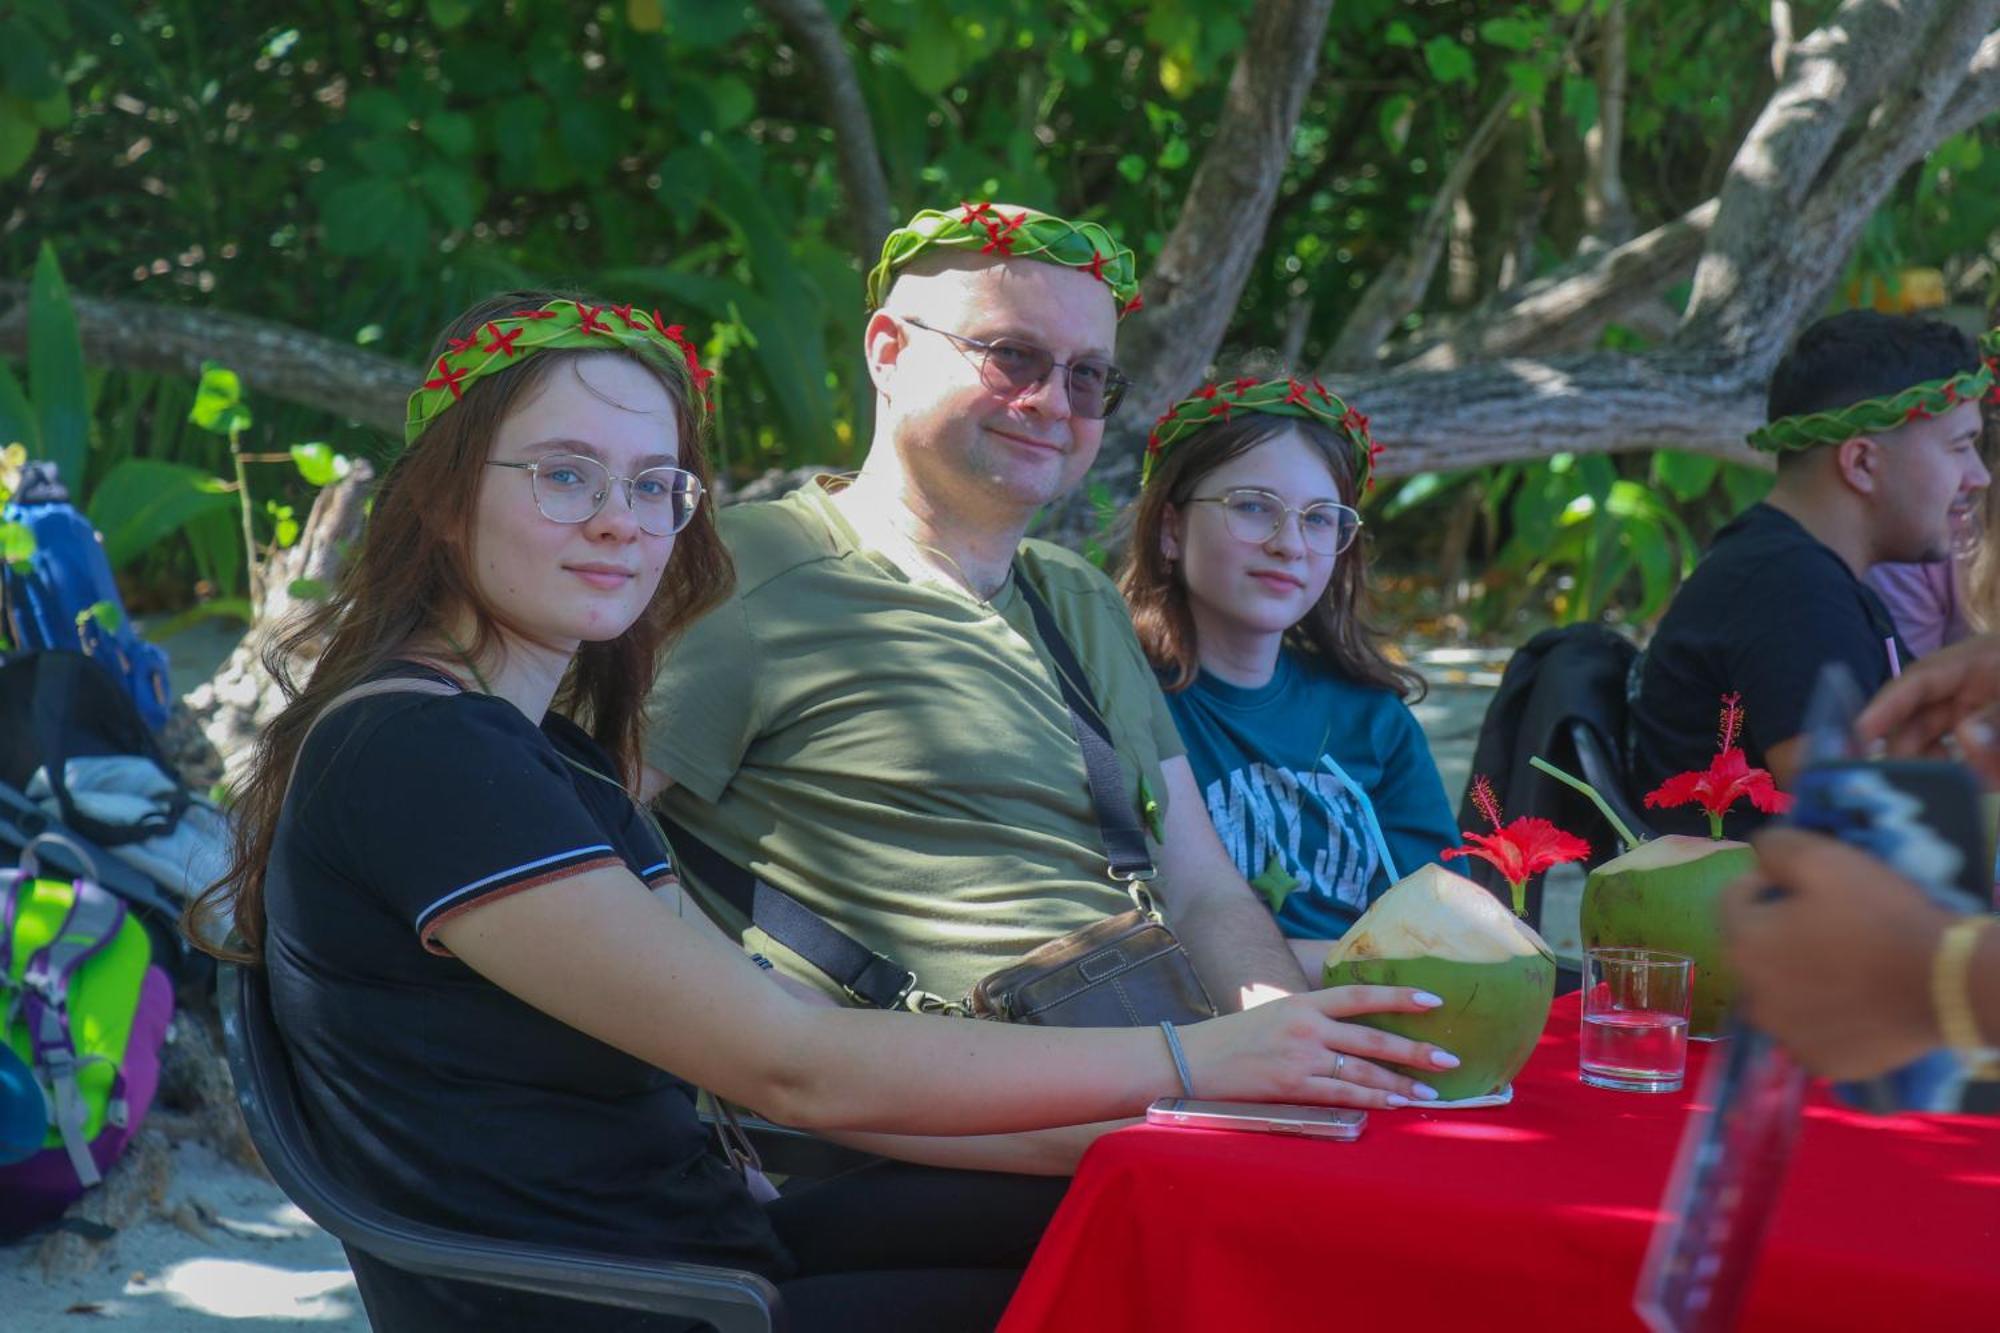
1665	894
1442	933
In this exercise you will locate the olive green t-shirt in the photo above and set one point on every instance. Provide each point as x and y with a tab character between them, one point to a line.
898	756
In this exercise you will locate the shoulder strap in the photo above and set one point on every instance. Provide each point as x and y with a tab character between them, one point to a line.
873	978
866	976
94	919
367	690
1117	825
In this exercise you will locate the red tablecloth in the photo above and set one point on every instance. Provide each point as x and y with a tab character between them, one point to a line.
1530	1216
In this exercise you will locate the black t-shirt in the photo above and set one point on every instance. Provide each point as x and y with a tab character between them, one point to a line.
1766	608
432	1090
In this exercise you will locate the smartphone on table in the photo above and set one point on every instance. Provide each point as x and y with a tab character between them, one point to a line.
1311	1122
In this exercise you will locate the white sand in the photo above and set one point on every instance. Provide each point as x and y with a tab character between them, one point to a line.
260	1265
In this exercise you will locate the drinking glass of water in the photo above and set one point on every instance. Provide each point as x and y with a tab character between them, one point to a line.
1635	1019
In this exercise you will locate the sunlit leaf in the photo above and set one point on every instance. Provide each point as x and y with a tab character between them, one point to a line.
218	401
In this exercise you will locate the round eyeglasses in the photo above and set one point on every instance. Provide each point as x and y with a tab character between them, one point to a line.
1327	527
1007	365
571	488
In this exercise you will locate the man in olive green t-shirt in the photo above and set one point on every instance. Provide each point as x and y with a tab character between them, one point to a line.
872	723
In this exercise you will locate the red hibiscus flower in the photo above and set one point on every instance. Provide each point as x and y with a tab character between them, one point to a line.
1520	850
1727	779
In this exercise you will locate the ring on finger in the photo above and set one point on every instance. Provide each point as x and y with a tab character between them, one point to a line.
1339	1063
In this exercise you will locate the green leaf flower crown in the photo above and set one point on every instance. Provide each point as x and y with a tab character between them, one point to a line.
1285	397
1915	403
502	342
988	229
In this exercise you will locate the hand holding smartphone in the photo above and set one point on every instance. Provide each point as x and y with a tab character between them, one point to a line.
1312	1122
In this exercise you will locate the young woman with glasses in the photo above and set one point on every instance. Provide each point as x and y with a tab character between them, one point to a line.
480	959
1248	588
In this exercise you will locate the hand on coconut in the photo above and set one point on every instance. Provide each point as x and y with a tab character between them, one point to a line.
1955	692
1838	968
1297	1049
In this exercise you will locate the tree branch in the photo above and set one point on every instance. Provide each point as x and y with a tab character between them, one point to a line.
1193	289
1979	96
847	111
287	363
1900	130
1607	211
1596	402
1400	286
1590	288
1831	74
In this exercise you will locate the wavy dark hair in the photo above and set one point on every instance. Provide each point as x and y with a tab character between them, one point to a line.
413	570
1336	629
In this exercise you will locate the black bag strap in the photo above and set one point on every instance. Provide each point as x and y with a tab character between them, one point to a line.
867	977
1117	825
873	978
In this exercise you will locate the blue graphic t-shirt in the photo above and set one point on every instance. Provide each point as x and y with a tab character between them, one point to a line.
1311	780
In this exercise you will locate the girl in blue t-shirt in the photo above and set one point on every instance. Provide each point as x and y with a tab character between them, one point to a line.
1247	590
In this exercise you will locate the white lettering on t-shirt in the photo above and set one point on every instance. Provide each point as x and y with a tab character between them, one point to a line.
1262	811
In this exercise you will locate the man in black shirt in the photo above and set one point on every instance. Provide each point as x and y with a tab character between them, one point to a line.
1875	422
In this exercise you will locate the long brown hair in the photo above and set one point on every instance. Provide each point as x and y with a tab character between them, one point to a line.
1336	628
413	571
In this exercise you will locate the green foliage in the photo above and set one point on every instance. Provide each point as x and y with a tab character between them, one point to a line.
144	501
105	615
218	402
55	372
368	171
34	97
320	465
1584	536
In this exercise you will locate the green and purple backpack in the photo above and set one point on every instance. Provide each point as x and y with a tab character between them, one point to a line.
84	1012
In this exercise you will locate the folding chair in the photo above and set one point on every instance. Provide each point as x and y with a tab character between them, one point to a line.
730	1300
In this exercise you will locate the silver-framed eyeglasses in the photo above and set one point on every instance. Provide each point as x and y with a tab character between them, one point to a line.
1251	515
571	488
1010	366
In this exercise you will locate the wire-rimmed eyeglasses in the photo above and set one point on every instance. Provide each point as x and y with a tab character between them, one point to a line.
1007	365
1251	515
571	488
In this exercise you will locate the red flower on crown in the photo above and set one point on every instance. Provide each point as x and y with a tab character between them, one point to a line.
972	212
624	312
1243	385
462	344
1727	779
590	322
503	340
1137	302
1295	393
1520	850
447	378
1096	266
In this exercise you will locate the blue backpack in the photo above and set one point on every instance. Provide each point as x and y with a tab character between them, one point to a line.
44	605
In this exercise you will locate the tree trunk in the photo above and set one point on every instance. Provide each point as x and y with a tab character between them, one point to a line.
242	697
1193	289
1399	288
861	173
1607	212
